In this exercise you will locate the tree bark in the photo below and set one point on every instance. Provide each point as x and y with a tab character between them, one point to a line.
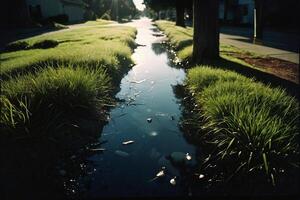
206	31
180	14
260	15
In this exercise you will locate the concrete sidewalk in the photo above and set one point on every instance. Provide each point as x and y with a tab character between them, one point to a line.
245	44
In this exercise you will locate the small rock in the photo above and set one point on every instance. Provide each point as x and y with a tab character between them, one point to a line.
172	118
188	157
161	172
173	181
149	120
128	142
201	176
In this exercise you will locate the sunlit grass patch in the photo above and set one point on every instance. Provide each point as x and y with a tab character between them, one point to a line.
179	37
99	22
251	124
86	44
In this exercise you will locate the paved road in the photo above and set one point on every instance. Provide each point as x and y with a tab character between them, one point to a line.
288	40
246	44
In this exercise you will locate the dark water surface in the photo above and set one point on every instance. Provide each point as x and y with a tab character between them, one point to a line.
126	170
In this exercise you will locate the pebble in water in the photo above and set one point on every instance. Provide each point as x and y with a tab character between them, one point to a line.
128	142
188	157
161	173
201	176
149	120
173	181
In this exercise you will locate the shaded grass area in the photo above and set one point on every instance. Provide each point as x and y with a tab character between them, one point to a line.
251	128
43	90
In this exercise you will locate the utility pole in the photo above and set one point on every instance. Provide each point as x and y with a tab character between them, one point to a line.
254	24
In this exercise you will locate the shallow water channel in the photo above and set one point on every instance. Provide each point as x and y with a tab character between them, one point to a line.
146	91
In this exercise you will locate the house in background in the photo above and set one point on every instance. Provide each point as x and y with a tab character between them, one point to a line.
237	11
21	13
42	9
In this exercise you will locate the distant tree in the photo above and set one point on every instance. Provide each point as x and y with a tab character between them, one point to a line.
206	30
158	5
115	8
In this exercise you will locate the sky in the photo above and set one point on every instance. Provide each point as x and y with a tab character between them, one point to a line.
138	4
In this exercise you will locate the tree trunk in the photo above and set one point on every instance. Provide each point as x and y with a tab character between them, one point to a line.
180	13
260	22
206	30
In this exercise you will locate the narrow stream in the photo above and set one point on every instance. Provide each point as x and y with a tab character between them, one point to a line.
127	170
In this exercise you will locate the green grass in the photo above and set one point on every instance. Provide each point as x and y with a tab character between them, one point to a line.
253	128
251	124
99	22
87	44
181	40
43	90
55	93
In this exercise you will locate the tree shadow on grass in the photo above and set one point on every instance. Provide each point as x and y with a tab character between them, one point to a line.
269	79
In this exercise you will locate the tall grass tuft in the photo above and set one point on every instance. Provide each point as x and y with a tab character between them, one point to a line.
52	96
251	124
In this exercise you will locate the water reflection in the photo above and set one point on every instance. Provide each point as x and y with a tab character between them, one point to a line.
146	93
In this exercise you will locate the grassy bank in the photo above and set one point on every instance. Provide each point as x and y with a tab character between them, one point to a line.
252	128
252	125
102	45
50	81
181	40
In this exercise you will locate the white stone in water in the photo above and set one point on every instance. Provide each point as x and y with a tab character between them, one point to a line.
188	157
149	120
160	173
201	176
128	142
173	181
